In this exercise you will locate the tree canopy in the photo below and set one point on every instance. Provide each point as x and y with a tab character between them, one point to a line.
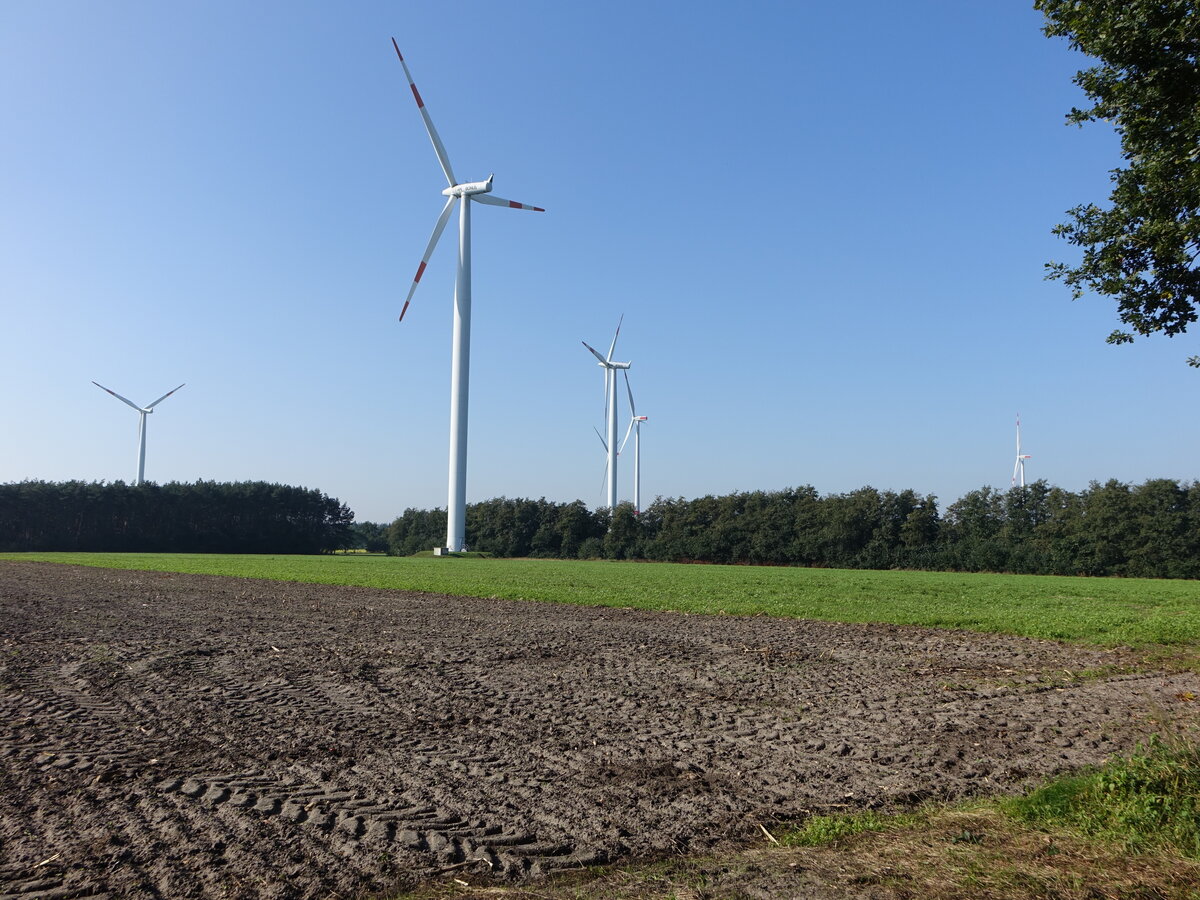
1142	248
1148	530
204	517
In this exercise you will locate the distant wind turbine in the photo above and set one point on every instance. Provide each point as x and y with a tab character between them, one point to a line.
1019	466
610	409
460	364
143	411
635	425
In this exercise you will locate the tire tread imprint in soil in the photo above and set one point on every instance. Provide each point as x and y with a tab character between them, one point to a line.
348	818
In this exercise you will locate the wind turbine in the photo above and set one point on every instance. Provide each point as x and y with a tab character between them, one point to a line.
610	409
1019	466
635	425
460	363
143	411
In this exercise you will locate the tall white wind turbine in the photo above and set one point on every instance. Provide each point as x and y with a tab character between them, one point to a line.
460	364
143	411
1019	466
635	425
610	409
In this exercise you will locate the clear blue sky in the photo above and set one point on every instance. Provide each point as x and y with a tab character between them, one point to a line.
825	225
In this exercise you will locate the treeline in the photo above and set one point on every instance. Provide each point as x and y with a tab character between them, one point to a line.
205	517
1149	530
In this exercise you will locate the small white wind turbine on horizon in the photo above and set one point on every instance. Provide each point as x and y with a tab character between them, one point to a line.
635	425
143	411
460	364
1019	466
610	409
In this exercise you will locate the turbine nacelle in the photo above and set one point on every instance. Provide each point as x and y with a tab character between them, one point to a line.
472	187
606	363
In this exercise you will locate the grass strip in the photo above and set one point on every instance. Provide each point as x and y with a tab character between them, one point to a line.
1103	611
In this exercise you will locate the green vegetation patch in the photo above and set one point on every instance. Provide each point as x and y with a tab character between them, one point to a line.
820	830
1103	611
1148	801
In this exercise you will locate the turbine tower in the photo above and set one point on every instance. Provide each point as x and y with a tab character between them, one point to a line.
635	425
460	364
1019	466
143	411
610	409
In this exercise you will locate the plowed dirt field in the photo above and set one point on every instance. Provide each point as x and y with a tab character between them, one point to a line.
186	736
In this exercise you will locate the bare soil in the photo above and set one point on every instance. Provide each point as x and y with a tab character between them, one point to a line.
193	736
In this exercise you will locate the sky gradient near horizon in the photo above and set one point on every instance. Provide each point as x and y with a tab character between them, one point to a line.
825	226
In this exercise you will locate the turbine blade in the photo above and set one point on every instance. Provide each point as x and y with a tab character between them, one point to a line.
493	200
621	447
118	396
162	398
613	345
437	233
603	442
433	135
629	390
596	354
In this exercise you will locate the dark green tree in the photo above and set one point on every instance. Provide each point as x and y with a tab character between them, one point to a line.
1107	529
848	524
369	536
577	526
1165	540
623	538
205	517
919	534
971	526
416	530
1142	249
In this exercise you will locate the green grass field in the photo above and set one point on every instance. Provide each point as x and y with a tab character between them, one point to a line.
1105	611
